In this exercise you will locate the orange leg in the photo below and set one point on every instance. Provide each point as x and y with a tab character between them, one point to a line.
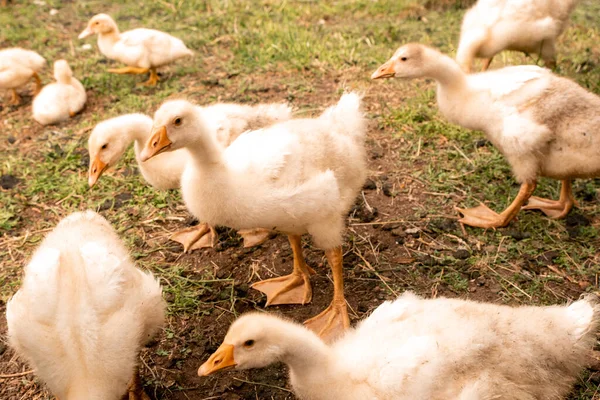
135	391
38	84
293	288
483	217
486	63
552	208
332	322
196	237
15	99
153	80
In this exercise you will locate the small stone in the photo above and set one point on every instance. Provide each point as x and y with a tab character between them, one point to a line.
370	185
481	143
86	47
8	181
11	139
54	11
414	232
461	254
399	232
386	188
390	227
517	235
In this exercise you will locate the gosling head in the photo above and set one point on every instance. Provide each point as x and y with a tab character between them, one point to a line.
175	125
253	341
107	144
99	24
62	71
407	62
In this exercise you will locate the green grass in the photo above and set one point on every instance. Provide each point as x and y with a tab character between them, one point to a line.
305	52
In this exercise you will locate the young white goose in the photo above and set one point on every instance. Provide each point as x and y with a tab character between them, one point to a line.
530	26
544	125
143	50
295	177
110	139
84	311
61	99
424	349
17	67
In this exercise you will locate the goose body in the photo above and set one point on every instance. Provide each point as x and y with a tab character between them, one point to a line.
414	348
142	50
529	26
60	100
544	125
84	311
296	177
17	67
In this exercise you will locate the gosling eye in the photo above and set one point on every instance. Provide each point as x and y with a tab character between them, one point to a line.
249	343
404	59
104	146
177	121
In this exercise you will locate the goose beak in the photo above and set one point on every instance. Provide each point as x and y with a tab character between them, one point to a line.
385	71
96	169
221	359
158	142
87	32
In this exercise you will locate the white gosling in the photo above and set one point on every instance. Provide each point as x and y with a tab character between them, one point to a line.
296	177
17	67
414	348
142	50
544	125
111	138
529	26
60	100
84	311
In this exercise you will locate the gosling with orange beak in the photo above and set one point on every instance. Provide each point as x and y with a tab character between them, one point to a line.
295	177
414	348
142	50
544	125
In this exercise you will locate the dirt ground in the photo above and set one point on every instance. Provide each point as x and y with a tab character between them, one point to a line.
401	235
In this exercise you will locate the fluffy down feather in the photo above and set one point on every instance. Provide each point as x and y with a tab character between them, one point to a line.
59	100
530	26
84	310
299	176
18	66
435	349
110	138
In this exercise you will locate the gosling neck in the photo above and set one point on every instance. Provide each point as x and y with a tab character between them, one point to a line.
204	148
137	128
106	41
445	71
306	355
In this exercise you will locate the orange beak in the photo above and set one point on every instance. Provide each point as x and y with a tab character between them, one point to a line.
221	359
96	169
158	142
87	32
385	71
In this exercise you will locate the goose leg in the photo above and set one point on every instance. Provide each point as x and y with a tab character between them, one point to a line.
15	99
552	208
334	320
293	288
483	217
128	70
152	80
254	237
135	391
38	84
196	237
486	63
